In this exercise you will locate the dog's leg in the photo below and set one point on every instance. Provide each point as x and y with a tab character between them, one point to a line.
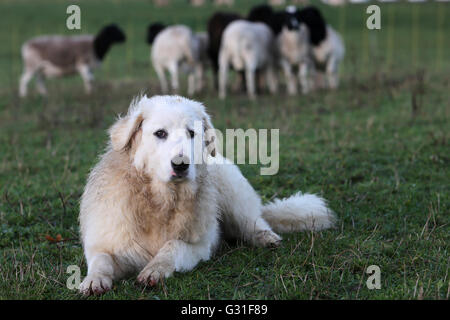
178	255
242	208
248	224
102	269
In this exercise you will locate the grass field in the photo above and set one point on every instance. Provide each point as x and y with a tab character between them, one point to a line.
377	149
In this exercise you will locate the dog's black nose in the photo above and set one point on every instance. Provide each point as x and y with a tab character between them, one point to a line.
180	164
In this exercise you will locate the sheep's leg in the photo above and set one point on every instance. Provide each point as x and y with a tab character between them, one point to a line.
304	74
87	76
162	78
40	84
272	80
250	79
291	82
332	74
191	83
223	74
24	80
173	70
199	77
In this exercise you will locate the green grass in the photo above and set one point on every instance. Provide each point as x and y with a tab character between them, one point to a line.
381	160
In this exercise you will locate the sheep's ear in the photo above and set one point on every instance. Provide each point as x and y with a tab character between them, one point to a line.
210	134
123	131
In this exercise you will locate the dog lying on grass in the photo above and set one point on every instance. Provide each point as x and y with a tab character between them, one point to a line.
150	207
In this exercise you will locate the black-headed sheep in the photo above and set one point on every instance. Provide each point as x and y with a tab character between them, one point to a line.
216	26
56	56
327	46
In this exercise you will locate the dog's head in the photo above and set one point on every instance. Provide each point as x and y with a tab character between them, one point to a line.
166	137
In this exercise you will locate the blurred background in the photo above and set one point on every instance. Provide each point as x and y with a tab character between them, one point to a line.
412	35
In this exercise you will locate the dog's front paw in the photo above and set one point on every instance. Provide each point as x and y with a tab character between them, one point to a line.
96	284
267	238
155	272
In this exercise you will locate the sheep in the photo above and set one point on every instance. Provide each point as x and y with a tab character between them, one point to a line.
264	13
216	25
56	56
247	46
327	46
174	47
291	42
324	50
294	51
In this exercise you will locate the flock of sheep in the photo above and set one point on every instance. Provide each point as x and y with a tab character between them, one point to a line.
298	42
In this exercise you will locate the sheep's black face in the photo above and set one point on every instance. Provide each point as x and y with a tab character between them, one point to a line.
114	33
107	36
261	13
153	31
291	21
316	24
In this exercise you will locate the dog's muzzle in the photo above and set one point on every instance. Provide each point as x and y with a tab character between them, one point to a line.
180	166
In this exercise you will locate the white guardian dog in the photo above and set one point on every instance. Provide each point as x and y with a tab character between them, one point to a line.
150	207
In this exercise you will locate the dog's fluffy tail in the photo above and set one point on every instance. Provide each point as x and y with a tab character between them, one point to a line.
298	213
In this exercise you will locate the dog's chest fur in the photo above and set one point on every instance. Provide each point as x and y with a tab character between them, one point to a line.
162	212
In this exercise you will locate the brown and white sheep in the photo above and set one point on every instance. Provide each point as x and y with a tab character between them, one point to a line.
57	56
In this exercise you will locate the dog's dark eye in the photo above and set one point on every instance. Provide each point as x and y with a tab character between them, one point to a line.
191	133
161	134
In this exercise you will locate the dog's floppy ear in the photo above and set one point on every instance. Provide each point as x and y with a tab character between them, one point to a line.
210	134
123	131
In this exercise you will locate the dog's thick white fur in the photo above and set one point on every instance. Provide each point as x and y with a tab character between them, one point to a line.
138	215
177	46
247	46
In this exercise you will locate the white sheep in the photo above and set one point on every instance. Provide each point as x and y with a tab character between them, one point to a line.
56	56
247	46
174	48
